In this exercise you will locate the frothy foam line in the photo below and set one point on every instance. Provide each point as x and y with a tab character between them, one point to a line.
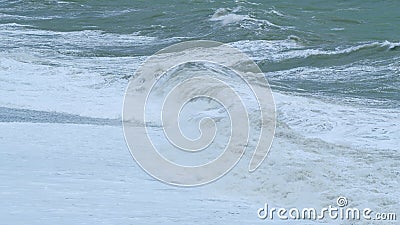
279	50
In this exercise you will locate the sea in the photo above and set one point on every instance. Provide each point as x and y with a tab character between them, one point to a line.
333	68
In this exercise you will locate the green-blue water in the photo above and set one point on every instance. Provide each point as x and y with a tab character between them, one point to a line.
352	46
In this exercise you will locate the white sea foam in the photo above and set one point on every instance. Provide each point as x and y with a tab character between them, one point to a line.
14	36
353	127
278	50
321	151
227	16
78	88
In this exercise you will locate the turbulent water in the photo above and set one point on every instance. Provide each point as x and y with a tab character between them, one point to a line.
334	68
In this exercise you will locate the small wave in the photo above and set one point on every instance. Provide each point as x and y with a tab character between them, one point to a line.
13	25
9	16
88	36
304	53
278	50
247	2
227	16
390	45
230	18
79	43
265	49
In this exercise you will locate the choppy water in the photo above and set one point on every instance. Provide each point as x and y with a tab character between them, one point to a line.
347	50
334	67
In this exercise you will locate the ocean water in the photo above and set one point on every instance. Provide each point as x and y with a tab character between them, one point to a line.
333	66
